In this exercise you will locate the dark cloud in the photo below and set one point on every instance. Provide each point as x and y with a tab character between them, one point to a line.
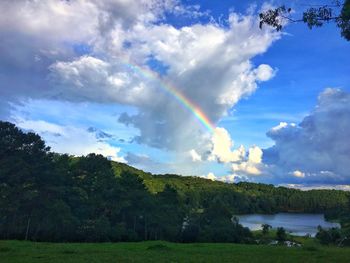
4	110
318	149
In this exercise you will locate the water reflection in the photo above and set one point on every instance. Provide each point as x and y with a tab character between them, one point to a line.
295	223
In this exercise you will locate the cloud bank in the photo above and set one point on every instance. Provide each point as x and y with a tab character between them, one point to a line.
318	149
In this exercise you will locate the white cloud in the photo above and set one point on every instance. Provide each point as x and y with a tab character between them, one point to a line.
298	173
195	156
211	176
222	147
252	164
264	72
255	155
247	168
281	125
242	163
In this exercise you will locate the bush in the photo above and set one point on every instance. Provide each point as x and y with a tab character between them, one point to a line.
281	234
330	236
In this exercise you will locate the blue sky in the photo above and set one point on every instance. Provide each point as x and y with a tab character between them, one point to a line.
283	96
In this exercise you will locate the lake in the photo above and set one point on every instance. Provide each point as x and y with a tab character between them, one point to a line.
295	223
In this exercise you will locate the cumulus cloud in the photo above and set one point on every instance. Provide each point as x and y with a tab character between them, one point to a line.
316	150
198	58
72	140
195	156
242	163
222	147
252	164
255	154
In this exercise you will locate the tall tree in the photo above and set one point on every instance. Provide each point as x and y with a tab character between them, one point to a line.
26	167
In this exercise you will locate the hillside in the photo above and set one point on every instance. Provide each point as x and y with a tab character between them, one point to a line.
261	197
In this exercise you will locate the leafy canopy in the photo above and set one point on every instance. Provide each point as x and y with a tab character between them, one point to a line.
315	16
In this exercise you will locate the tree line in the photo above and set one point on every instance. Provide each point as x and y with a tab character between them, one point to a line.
46	196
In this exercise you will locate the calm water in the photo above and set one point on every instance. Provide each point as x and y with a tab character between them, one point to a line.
296	224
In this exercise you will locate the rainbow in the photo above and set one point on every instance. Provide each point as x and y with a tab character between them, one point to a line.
175	93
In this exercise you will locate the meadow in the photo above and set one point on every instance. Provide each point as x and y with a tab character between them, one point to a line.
159	251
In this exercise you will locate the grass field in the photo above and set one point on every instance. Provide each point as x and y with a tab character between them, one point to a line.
28	252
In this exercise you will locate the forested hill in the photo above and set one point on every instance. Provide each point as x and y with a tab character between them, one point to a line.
52	197
243	197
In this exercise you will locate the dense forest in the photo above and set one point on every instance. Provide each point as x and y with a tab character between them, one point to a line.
46	196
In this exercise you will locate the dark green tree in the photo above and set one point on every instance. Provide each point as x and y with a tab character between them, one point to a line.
265	228
169	214
190	231
328	236
26	171
218	225
281	234
137	206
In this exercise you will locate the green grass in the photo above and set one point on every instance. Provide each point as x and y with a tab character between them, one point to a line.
29	252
